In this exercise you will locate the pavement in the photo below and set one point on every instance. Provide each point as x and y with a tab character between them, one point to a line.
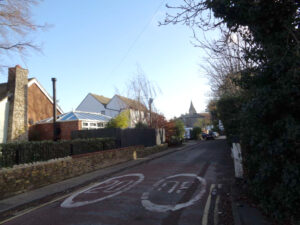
191	184
243	211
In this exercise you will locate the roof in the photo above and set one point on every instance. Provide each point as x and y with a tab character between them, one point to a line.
192	109
206	115
133	103
35	81
4	91
104	100
78	115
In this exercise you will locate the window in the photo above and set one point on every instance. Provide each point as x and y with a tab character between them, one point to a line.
103	112
92	125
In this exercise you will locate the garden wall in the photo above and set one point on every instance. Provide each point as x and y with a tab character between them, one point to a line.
27	177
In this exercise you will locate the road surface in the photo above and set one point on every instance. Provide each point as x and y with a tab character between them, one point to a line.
186	187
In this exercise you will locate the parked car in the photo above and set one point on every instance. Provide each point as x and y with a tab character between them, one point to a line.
215	134
204	135
210	136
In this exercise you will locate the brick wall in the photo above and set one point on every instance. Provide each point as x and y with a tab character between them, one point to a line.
44	131
39	106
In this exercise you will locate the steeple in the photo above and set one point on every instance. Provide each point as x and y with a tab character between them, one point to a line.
192	109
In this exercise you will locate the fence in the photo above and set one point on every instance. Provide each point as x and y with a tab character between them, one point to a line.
125	137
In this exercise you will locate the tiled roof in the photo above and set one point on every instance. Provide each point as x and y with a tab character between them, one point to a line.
104	100
3	89
133	104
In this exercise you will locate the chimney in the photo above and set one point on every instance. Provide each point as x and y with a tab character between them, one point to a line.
17	92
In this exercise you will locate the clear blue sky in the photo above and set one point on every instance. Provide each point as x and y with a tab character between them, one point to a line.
87	51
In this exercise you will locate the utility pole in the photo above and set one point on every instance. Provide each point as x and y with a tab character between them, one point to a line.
150	103
54	109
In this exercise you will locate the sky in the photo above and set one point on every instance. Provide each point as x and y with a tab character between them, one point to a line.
96	46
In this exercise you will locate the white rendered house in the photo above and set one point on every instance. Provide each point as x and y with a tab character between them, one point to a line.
114	106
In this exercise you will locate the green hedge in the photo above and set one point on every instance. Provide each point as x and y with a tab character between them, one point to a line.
28	152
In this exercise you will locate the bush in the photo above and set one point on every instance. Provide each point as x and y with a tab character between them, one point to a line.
120	121
141	125
179	129
28	152
174	140
196	133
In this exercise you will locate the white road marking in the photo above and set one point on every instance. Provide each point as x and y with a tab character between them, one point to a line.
216	210
184	186
163	208
207	206
108	186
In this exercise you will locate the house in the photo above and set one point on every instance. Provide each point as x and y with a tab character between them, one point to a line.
112	107
94	103
66	123
23	102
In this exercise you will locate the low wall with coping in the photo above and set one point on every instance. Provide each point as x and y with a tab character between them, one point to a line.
27	177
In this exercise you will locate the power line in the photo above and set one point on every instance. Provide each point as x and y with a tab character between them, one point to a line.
136	39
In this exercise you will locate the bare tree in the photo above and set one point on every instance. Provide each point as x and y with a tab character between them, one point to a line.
141	90
224	66
225	55
15	26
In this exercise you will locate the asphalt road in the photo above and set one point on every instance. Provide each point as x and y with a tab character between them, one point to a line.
186	187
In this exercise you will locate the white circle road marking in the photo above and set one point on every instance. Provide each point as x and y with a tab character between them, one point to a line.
109	184
163	208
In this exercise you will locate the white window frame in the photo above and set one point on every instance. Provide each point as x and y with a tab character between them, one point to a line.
90	125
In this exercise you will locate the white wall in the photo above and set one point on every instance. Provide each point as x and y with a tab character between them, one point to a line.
114	107
135	117
90	104
4	109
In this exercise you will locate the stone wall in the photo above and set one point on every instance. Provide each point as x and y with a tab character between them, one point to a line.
144	152
17	93
27	177
23	178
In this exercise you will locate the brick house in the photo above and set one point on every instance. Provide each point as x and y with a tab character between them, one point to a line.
66	123
23	102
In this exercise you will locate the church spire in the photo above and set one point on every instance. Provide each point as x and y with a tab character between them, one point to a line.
192	109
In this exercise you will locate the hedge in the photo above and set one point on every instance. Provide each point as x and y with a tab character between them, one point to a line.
28	152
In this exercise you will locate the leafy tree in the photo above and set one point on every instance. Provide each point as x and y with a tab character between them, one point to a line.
174	132
158	120
202	123
120	121
170	131
267	121
179	129
212	109
196	132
